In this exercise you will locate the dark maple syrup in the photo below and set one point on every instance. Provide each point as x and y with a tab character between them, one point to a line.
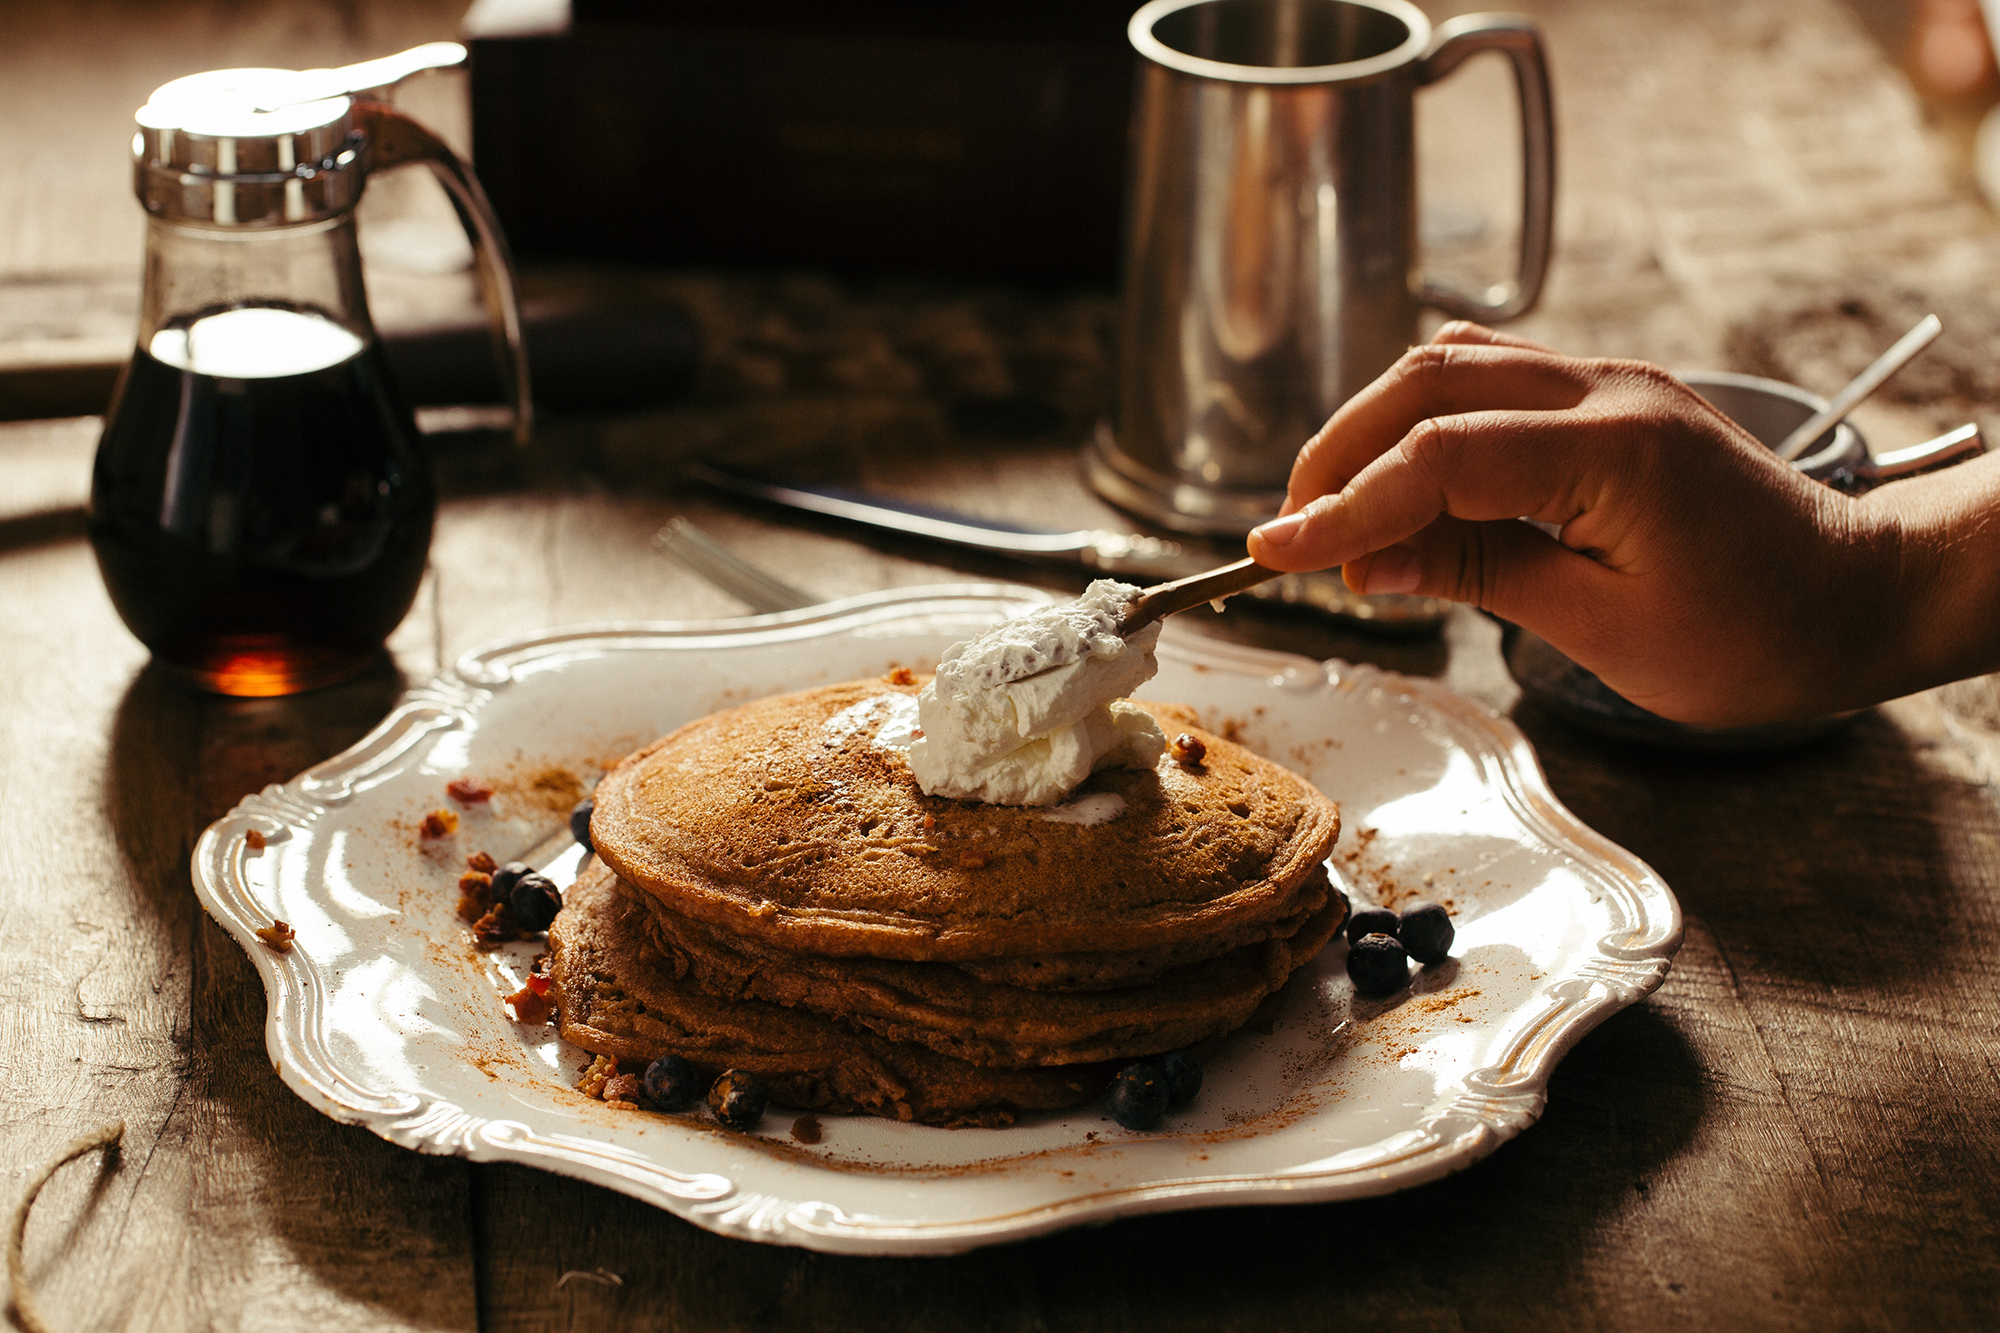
261	507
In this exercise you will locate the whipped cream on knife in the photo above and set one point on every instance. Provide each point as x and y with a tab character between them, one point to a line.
1025	712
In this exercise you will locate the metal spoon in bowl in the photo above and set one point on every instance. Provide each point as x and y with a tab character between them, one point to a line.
1858	388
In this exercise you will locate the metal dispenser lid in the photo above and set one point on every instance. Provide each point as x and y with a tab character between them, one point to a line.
263	147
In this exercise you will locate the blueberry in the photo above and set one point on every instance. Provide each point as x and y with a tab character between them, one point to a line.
1372	921
672	1084
507	876
1377	964
1137	1097
579	823
738	1099
534	900
1183	1073
1427	933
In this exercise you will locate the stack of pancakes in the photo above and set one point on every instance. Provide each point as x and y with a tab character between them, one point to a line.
774	893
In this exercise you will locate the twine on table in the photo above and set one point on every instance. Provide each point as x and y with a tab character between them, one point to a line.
105	1136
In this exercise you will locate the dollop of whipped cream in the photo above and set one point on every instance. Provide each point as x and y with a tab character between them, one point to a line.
1022	714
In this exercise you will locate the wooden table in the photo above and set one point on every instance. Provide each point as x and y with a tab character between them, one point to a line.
1797	1130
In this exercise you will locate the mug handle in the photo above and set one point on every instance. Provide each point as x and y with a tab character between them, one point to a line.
1521	42
394	139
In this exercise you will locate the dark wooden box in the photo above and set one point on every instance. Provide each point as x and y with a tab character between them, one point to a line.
885	136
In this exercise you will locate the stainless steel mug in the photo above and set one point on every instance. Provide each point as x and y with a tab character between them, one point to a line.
1271	265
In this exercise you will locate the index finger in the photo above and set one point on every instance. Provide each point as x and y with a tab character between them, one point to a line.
1434	380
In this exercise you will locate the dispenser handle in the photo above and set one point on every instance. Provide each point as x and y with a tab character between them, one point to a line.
1520	41
395	139
360	80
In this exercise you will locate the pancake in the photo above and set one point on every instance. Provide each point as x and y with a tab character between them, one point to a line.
618	995
1106	971
784	823
942	1007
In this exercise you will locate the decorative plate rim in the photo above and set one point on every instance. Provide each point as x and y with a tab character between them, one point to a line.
1498	1102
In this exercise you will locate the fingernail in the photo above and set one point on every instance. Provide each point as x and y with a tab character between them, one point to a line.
1281	530
1396	569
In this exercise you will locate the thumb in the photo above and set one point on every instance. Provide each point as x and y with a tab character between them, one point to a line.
1465	333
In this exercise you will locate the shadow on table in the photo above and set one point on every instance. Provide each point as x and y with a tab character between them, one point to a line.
25	532
247	1163
1839	900
1821	863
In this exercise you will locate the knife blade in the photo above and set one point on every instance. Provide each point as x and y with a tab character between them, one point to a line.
1101	549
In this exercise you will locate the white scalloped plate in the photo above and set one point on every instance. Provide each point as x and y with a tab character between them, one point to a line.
384	1016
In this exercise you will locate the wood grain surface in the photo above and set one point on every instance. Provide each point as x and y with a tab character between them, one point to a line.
1796	1131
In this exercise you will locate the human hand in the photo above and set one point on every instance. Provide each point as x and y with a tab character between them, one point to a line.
1695	574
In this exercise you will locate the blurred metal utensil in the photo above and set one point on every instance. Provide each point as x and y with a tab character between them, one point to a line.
1131	556
761	591
1858	388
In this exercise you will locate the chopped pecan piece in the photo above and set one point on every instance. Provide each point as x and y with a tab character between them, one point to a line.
278	936
902	676
531	1003
623	1088
495	928
440	824
475	894
1188	750
468	791
254	840
602	1070
481	862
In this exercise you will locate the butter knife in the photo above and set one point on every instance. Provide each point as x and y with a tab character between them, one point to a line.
1103	550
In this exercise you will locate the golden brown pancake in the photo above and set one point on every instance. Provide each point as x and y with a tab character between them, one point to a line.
940	1006
1107	971
777	828
617	994
774	893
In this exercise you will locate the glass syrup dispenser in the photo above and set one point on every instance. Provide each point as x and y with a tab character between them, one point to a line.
261	505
